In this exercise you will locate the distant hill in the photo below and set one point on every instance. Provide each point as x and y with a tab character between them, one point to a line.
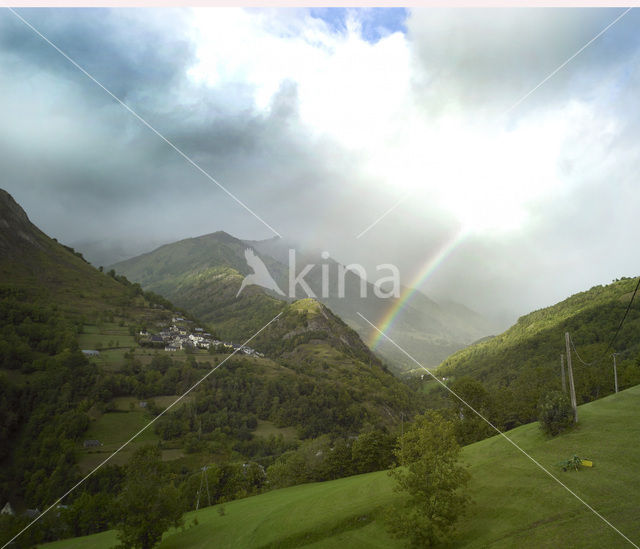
515	504
203	274
524	362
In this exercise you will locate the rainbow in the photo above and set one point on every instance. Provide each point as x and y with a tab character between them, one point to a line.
424	272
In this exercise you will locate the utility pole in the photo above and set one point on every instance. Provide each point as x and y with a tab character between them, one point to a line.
203	477
615	371
199	490
206	479
564	381
572	387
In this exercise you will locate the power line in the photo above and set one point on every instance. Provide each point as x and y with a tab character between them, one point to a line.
622	321
573	346
200	489
500	433
615	336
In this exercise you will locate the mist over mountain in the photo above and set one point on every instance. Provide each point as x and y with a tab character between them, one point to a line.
322	144
204	274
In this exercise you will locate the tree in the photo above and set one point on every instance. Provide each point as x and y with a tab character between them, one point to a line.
89	513
433	480
372	451
148	504
555	413
305	464
469	426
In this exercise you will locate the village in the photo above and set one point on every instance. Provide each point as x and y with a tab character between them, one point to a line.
179	336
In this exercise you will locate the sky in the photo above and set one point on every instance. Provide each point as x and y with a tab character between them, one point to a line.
320	121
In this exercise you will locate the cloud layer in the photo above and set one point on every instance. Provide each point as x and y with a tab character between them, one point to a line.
320	121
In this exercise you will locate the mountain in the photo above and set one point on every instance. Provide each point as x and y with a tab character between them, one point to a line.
311	393
307	376
203	274
428	330
45	270
523	363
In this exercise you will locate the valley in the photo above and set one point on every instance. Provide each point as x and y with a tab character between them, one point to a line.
203	274
303	415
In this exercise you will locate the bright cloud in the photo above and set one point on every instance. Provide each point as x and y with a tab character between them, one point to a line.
347	87
486	172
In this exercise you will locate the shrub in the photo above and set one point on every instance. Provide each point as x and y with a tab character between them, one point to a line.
555	413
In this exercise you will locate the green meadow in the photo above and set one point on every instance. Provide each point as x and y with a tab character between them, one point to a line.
515	503
109	335
113	429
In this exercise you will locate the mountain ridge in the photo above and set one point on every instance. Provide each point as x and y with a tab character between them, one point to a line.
200	273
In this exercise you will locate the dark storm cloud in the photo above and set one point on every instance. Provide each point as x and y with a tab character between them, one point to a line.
128	51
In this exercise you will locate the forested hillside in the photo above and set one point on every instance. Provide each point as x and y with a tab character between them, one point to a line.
311	384
520	365
515	504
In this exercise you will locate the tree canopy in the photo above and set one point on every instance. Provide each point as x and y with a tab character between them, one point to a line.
148	504
433	479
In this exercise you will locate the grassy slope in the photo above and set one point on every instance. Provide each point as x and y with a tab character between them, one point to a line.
51	273
515	503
